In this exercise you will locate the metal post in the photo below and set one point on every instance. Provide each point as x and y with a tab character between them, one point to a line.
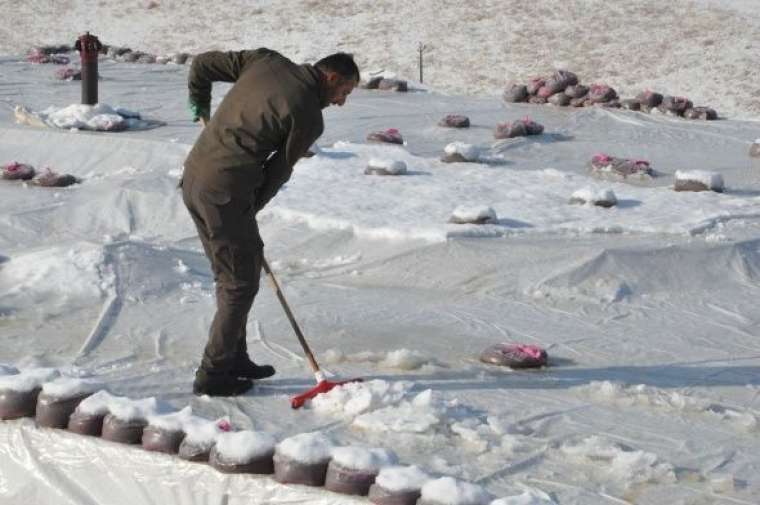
89	46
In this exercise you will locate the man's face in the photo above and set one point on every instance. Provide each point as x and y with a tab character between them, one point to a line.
338	89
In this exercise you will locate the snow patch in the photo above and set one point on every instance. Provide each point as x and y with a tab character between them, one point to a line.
451	491
399	479
467	151
68	387
354	398
123	408
363	459
307	448
174	421
240	447
28	379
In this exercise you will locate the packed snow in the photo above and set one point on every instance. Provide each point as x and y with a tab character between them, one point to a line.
241	447
28	379
68	387
308	448
647	310
363	459
711	180
122	408
398	479
174	421
450	491
467	151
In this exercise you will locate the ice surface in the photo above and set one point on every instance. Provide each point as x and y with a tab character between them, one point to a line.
530	497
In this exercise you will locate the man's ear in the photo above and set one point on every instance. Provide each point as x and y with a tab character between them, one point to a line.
332	78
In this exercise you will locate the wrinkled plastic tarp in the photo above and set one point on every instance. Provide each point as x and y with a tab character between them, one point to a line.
48	466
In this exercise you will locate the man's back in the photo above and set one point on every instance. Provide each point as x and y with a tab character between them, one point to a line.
274	105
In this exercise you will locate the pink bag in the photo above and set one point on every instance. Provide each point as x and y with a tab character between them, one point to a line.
515	355
15	171
390	136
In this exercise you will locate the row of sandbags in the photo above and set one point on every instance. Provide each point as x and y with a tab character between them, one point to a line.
308	458
563	89
15	171
59	55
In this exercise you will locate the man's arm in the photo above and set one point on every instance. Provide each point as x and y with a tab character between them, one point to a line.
215	66
277	170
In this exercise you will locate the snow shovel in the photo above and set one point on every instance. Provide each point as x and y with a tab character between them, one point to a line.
323	385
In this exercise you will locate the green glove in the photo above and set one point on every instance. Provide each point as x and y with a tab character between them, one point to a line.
199	111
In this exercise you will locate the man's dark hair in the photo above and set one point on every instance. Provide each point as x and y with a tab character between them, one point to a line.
342	64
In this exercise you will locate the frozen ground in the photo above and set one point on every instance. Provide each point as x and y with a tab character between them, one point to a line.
705	49
648	310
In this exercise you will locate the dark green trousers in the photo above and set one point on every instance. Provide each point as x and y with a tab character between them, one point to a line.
230	236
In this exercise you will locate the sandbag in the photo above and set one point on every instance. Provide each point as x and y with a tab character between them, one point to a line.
630	104
675	105
289	471
347	480
754	149
649	98
599	93
544	92
262	464
162	440
381	496
15	171
390	136
514	356
124	432
17	404
621	168
385	167
68	74
54	412
518	128
560	80
86	424
515	93
455	158
392	85
578	102
537	100
455	121
576	91
689	185
534	85
52	179
704	113
560	100
510	130
195	451
146	58
180	58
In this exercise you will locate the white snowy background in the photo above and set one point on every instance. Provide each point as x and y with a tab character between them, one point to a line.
648	309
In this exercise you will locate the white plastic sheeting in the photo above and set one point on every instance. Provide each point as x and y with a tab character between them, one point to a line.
44	466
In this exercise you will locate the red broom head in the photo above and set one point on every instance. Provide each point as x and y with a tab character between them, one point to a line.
321	387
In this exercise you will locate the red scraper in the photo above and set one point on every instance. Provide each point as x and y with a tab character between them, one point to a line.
323	385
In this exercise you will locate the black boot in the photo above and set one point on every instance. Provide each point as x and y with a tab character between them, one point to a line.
208	382
250	370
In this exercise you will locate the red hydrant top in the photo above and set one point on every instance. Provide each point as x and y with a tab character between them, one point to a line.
88	46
